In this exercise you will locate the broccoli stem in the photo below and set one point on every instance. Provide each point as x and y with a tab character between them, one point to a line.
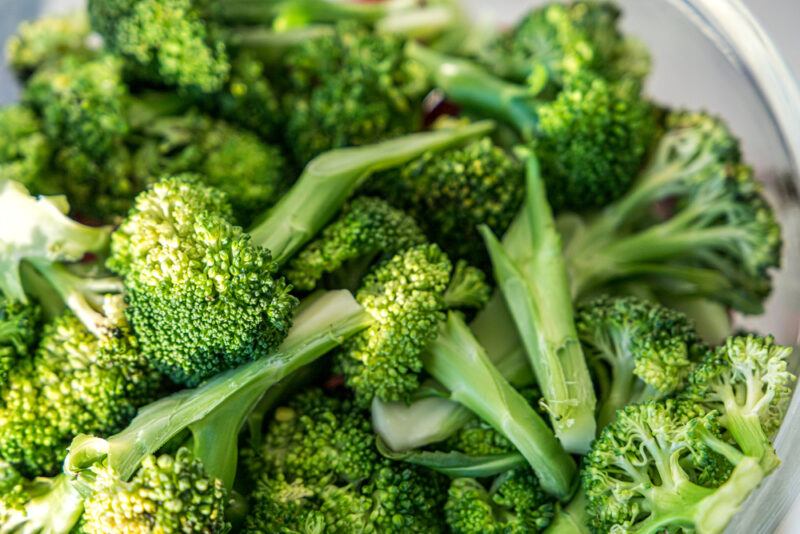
469	85
572	518
331	178
748	431
530	270
457	361
432	419
296	11
55	506
620	392
219	408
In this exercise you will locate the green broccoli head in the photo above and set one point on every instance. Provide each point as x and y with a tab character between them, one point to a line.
167	39
560	40
451	193
349	88
25	150
75	383
640	350
167	494
47	39
405	295
367	229
19	333
82	103
251	173
644	471
321	472
514	504
747	380
201	297
591	141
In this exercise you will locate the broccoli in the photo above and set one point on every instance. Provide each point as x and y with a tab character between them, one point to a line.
349	88
719	242
319	466
747	381
591	138
47	40
368	228
167	494
514	504
453	192
36	230
123	479
557	40
25	505
187	44
252	173
74	383
25	150
204	296
642	472
639	350
531	272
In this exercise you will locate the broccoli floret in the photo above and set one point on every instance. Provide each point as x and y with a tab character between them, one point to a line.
81	103
350	88
640	474
720	240
253	174
591	138
367	230
748	382
640	350
36	229
167	494
19	333
559	40
173	249
320	466
514	504
46	40
531	272
25	150
451	193
204	296
74	383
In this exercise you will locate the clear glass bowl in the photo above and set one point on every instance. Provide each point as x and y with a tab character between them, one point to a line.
708	54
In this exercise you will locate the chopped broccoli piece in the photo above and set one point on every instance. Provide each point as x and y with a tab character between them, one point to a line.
591	138
367	229
514	504
720	241
349	88
453	192
320	466
531	272
75	383
642	472
639	350
559	40
167	494
47	40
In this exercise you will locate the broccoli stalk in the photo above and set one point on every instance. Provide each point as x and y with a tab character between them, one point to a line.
591	139
529	268
38	505
457	361
100	471
720	241
332	177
